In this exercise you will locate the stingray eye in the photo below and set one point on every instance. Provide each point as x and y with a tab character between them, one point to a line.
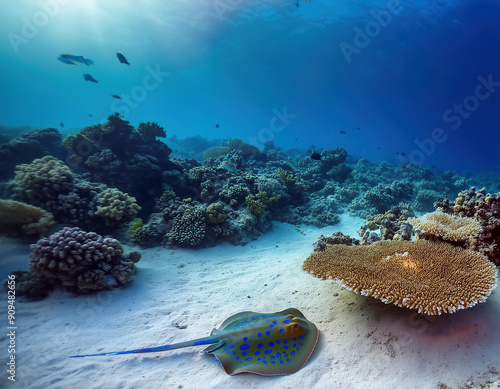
295	327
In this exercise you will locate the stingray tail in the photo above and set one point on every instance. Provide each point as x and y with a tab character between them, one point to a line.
196	342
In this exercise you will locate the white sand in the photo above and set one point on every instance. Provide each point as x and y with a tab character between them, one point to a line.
182	294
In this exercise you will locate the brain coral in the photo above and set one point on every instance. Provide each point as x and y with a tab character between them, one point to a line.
446	227
81	261
431	277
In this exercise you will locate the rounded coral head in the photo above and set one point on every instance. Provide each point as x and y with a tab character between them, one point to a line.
431	277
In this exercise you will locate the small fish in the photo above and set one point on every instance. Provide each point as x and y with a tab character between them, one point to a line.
228	165
74	59
316	156
342	132
217	126
357	128
122	58
90	115
403	153
88	77
378	148
116	97
252	342
296	138
61	124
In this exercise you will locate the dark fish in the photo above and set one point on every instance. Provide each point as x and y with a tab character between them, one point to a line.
122	58
378	148
88	77
316	156
403	153
73	59
357	128
61	124
397	152
217	126
116	97
67	61
90	115
342	132
296	138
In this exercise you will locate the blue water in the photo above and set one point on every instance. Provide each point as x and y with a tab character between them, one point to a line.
410	74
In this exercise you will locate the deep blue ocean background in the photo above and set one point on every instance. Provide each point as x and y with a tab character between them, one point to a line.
294	72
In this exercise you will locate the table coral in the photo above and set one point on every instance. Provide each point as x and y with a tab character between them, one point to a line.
431	277
18	219
81	261
445	227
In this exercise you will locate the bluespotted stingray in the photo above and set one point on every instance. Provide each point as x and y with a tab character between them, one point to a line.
251	342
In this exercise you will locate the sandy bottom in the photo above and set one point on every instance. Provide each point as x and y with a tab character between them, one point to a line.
181	295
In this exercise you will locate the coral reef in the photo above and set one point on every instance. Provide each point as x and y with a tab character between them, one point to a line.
484	208
431	277
18	219
393	224
82	262
189	227
32	286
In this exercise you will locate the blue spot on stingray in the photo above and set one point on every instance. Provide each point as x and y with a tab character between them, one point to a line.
275	322
245	338
268	332
294	345
259	334
271	344
277	341
260	345
293	353
282	330
281	362
237	358
249	358
285	341
273	362
233	352
268	351
230	346
285	347
264	362
244	346
286	321
257	352
278	355
288	360
272	356
270	326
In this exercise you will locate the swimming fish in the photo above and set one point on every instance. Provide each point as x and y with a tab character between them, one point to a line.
217	125
61	124
316	156
342	132
228	165
251	342
357	128
88	77
73	59
116	97
122	58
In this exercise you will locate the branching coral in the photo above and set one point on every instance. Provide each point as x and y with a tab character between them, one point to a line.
149	131
81	261
431	277
19	219
258	203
